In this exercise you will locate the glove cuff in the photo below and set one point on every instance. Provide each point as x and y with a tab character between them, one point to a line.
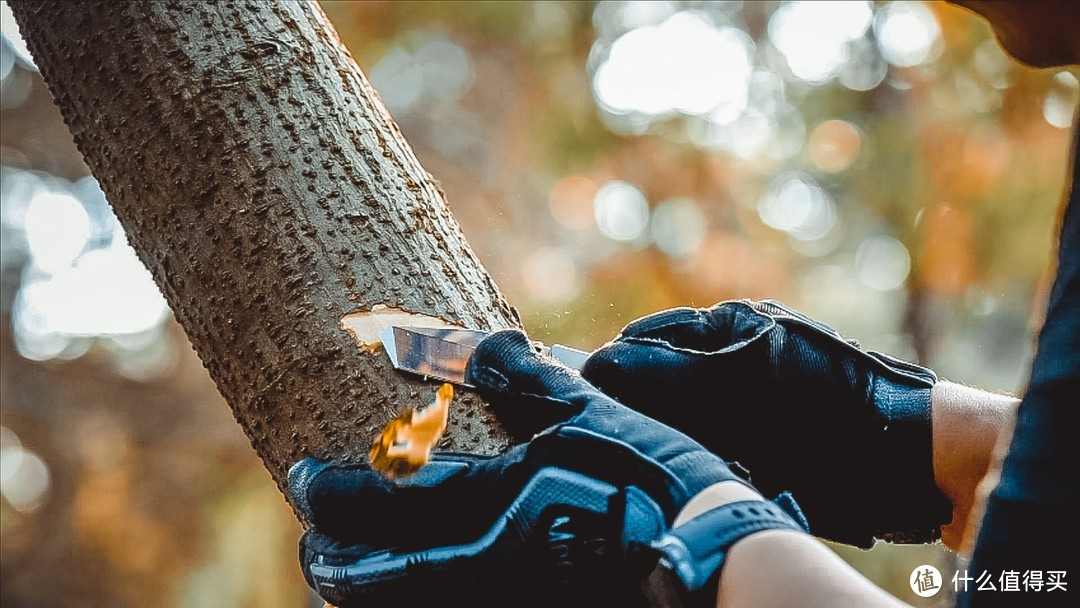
913	507
692	555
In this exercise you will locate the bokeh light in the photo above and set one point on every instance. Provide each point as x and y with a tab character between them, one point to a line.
797	205
685	64
834	145
550	275
992	65
108	291
882	263
13	41
571	202
814	36
611	18
678	226
83	280
438	70
907	33
622	212
865	68
24	476
57	229
7	60
1061	100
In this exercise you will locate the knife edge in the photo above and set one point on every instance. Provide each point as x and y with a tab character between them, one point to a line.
443	352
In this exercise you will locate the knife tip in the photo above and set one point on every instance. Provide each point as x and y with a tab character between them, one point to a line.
387	337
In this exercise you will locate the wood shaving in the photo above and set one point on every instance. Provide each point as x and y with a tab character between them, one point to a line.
405	443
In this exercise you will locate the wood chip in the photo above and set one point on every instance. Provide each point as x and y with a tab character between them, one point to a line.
405	443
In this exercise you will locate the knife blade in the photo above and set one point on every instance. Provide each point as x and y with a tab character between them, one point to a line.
443	352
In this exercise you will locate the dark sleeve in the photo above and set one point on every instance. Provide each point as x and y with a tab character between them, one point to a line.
1033	516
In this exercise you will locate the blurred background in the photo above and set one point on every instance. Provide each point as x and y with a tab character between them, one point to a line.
883	167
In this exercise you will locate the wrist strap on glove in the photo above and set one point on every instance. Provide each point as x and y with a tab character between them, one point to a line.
692	555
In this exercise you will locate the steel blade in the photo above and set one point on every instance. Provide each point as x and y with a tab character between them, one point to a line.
443	352
435	352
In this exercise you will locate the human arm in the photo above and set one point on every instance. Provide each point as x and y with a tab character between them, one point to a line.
779	569
580	513
968	423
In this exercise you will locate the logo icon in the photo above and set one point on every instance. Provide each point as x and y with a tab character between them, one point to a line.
925	581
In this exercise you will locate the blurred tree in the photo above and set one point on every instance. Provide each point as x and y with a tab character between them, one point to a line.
269	192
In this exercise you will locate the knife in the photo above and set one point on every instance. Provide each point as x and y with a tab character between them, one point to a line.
443	352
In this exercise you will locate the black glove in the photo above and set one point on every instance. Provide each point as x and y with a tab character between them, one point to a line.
578	515
845	430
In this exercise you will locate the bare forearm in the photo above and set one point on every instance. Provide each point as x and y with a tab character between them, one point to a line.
782	568
787	568
967	423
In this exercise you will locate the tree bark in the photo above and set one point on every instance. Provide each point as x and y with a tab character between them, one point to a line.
265	186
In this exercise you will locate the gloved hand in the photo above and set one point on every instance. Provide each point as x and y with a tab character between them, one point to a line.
845	430
580	514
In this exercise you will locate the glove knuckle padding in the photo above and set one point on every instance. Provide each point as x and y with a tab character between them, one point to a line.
452	499
795	402
716	330
527	393
507	362
656	323
629	449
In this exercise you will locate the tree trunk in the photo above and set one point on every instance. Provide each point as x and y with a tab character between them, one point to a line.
276	203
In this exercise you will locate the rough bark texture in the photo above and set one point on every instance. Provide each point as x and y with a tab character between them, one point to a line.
270	193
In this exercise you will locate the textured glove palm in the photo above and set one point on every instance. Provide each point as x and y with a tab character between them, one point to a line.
845	430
